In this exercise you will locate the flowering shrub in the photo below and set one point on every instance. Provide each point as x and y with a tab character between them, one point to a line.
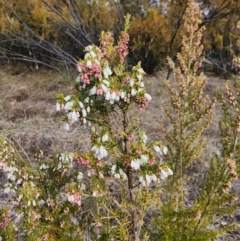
120	150
193	205
36	197
127	187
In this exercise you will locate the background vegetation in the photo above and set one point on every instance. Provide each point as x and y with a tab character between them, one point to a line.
56	31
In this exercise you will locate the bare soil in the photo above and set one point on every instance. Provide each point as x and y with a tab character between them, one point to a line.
29	120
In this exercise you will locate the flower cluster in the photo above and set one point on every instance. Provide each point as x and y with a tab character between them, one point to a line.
145	160
142	160
77	110
65	162
118	172
82	161
162	150
8	165
99	152
165	173
74	199
122	49
147	179
103	81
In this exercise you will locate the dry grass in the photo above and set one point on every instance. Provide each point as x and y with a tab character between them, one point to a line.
28	116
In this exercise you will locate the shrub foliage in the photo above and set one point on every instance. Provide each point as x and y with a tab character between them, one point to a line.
57	31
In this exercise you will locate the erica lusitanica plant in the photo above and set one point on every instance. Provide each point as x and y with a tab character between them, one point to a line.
120	152
184	216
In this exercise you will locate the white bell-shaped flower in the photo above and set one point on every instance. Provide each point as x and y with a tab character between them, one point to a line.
107	72
93	90
113	96
105	137
133	92
81	105
67	98
154	177
117	175
84	113
157	149
72	116
78	79
139	77
108	95
79	69
143	159
131	82
104	88
147	96
163	174
164	150
123	94
68	105
102	152
135	164
89	64
113	169
144	138
170	172
80	176
58	107
148	179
